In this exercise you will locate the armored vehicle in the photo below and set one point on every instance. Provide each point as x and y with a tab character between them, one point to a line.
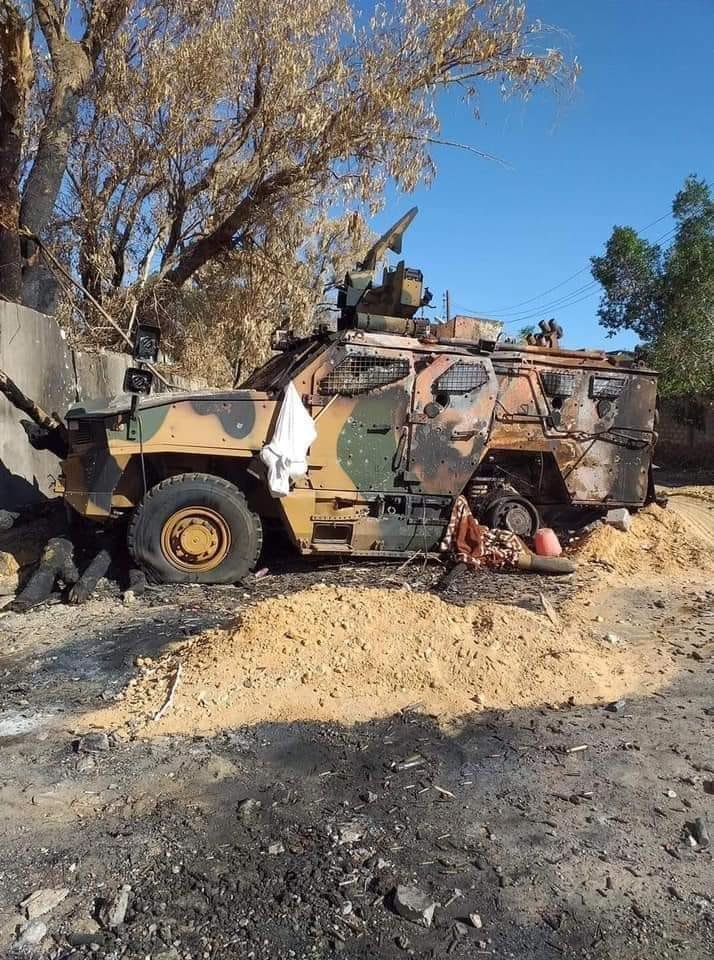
408	414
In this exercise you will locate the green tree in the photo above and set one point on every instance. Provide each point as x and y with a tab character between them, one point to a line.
666	295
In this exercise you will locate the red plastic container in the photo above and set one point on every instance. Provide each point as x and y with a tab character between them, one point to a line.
546	544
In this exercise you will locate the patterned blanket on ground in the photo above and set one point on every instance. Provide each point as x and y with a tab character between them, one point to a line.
475	545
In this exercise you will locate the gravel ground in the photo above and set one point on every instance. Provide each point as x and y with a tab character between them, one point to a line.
556	832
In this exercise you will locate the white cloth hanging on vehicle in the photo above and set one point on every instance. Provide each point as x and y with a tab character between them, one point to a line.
285	454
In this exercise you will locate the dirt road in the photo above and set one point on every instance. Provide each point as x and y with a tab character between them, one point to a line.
560	830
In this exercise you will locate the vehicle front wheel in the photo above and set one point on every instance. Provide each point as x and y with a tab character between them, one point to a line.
195	528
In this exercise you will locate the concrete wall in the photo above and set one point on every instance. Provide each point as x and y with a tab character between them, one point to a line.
35	354
686	433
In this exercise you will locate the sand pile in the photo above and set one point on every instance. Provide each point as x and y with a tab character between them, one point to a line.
351	654
658	541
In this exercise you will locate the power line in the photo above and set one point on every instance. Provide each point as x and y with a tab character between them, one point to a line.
507	310
568	299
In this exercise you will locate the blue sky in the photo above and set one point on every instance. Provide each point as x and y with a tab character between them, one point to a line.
614	152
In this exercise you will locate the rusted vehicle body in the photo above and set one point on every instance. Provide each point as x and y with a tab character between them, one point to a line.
408	416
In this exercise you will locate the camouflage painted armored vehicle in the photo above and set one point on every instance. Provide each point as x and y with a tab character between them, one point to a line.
408	416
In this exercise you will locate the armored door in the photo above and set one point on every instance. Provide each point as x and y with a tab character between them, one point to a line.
453	404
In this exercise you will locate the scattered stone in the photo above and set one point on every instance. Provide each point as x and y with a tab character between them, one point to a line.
112	912
128	598
32	934
617	706
402	941
248	809
672	794
708	786
620	519
461	929
700	833
42	901
93	743
413	904
475	920
351	832
86	763
660	603
275	849
613	638
370	797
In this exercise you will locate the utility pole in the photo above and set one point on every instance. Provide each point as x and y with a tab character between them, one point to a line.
447	306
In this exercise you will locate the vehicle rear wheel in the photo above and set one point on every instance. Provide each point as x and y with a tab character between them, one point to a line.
514	513
195	528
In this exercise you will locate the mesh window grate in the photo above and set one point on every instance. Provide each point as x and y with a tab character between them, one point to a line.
461	378
359	374
606	388
558	384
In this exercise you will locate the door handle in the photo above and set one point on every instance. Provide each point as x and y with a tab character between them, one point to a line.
379	428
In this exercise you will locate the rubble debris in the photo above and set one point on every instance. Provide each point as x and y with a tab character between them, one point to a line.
699	832
42	901
616	706
275	849
31	934
112	912
351	832
248	809
7	519
619	519
93	743
413	904
475	920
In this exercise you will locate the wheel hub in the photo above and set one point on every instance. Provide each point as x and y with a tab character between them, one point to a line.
195	538
517	519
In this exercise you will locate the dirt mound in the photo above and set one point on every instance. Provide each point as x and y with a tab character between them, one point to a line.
658	540
349	654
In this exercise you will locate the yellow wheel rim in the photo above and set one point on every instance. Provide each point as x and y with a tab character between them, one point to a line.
196	539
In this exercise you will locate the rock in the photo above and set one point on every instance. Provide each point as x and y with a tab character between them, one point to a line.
461	928
86	763
617	706
171	954
276	848
612	638
413	904
32	934
248	809
475	920
93	743
402	942
660	603
128	598
351	832
700	833
370	797
620	519
112	912
42	901
672	794
708	786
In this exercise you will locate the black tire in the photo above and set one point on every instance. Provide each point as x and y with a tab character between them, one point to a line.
512	512
146	533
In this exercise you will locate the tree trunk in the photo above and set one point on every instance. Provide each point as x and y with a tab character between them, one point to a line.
16	78
45	178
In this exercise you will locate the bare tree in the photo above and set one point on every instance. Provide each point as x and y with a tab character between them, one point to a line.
170	148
